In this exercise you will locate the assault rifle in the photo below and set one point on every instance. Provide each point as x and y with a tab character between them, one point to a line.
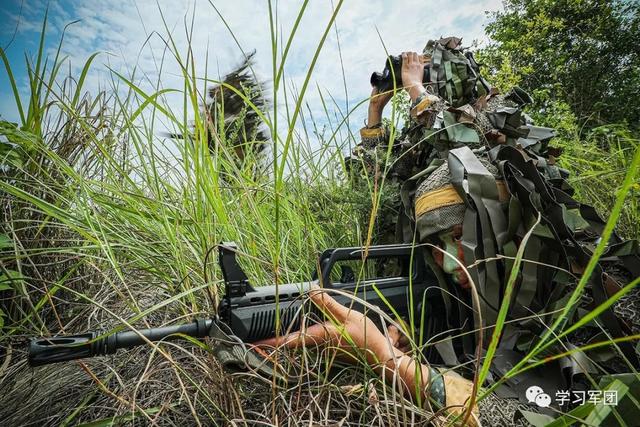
247	314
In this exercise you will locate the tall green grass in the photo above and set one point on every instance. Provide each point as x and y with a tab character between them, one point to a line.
105	219
107	223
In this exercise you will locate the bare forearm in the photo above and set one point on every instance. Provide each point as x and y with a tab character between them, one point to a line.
374	116
415	91
413	376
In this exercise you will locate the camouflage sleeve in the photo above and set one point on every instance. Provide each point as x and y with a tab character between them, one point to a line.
425	108
367	153
374	137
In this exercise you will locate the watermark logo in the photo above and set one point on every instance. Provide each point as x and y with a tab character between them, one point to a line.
536	394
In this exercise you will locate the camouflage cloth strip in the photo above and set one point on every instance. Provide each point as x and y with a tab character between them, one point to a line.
554	220
484	211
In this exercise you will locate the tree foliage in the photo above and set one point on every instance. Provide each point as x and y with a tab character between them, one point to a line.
579	53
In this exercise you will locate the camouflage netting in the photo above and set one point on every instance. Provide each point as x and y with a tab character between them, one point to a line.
446	216
505	174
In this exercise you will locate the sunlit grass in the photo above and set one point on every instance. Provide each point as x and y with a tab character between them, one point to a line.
107	224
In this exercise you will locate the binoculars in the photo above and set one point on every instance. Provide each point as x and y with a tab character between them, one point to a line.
393	70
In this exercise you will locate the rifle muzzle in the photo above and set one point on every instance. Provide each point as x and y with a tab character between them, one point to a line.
43	351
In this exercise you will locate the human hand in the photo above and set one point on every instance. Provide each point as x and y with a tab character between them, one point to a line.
398	339
412	73
349	329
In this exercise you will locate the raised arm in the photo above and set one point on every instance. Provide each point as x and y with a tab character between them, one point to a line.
377	102
412	72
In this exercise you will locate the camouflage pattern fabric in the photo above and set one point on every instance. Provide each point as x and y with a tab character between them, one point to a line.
377	168
484	136
231	113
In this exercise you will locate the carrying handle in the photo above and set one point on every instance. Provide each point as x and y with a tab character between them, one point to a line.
330	257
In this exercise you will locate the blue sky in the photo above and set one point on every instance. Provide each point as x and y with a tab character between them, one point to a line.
130	34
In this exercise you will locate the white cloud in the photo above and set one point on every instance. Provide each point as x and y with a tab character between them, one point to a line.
132	34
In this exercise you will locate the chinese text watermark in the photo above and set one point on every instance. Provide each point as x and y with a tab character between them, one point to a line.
537	395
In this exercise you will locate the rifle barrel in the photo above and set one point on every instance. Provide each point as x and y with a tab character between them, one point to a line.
43	351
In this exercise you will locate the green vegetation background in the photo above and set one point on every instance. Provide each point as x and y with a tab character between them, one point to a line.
105	224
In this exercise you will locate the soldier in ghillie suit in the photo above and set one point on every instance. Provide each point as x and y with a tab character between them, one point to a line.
231	118
233	126
477	181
